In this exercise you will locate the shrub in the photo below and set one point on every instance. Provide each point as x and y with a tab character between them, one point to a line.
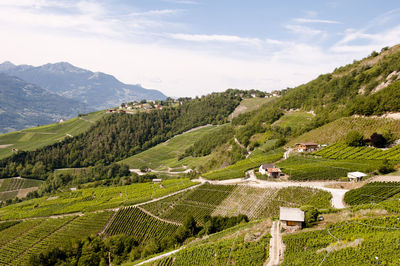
355	139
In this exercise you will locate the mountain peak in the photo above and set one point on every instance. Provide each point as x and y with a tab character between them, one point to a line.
62	67
6	65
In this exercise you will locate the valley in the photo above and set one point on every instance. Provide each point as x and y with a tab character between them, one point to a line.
229	178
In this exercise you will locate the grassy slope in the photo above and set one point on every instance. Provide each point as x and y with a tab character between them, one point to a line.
294	119
337	130
238	169
248	105
33	138
166	154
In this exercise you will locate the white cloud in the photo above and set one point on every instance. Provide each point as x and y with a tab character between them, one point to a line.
215	38
305	31
308	20
184	2
142	46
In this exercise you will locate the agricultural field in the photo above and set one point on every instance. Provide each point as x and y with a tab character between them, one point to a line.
33	138
238	169
294	119
352	242
342	151
17	187
248	105
198	202
310	168
18	242
241	245
91	199
10	184
374	192
166	155
338	129
234	200
265	202
133	221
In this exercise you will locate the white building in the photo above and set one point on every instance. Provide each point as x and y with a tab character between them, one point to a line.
355	176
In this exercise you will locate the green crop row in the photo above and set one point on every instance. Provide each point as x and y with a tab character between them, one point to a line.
92	199
372	193
238	169
355	242
141	226
342	151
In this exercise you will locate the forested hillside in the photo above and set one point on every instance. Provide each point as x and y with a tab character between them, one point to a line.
118	136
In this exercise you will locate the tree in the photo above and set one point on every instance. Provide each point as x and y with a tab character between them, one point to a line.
310	214
355	139
378	140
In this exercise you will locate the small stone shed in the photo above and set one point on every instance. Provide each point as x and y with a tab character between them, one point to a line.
292	218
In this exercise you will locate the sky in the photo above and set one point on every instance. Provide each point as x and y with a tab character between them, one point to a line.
194	47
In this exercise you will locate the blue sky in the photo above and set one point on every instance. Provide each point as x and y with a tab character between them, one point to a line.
193	47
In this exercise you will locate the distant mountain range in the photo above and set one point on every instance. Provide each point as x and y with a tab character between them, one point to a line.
25	105
40	95
96	89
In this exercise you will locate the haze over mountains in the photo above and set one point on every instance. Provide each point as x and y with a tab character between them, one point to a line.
25	105
79	89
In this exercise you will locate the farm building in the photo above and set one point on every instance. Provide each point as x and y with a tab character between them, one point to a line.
355	176
307	146
157	180
291	218
264	168
274	172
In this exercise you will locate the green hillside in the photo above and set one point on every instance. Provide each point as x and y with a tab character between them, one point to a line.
166	155
336	131
37	137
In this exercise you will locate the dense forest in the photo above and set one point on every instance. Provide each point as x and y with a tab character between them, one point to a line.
118	136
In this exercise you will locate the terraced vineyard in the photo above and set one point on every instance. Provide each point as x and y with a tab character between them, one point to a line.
238	169
372	193
91	199
354	242
200	202
309	168
13	187
265	202
235	248
342	151
234	200
253	202
18	242
141	226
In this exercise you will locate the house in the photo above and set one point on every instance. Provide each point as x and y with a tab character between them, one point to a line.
291	218
264	168
306	146
73	188
355	176
157	180
274	172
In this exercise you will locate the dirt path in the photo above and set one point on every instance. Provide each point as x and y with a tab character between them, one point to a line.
160	256
157	199
385	178
158	218
276	247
